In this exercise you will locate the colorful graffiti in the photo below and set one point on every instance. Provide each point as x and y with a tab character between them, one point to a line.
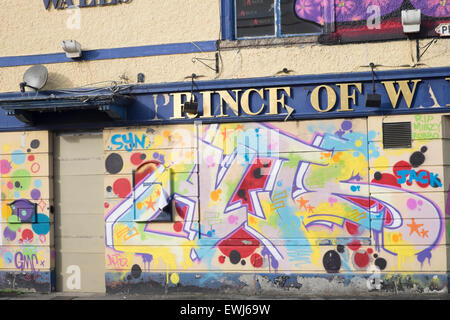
371	19
321	196
25	204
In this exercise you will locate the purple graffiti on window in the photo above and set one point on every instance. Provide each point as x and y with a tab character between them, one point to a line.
352	10
433	8
311	10
357	10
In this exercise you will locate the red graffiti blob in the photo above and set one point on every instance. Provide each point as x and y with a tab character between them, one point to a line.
426	176
144	170
352	228
27	235
361	201
181	209
136	158
354	245
401	165
255	178
388	180
122	187
388	219
362	259
256	260
178	226
240	242
222	259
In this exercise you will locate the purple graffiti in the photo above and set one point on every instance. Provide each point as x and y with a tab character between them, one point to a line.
23	262
433	8
310	10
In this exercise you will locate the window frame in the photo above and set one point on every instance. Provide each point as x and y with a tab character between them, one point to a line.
229	23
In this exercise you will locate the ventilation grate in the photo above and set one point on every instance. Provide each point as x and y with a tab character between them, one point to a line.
397	135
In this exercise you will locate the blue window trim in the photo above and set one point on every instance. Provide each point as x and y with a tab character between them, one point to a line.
227	16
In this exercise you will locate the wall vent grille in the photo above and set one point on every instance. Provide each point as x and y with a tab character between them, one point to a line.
397	135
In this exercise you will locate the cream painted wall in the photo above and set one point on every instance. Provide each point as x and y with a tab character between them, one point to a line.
28	28
240	63
177	21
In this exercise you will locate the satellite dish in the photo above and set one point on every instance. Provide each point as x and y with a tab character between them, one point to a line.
35	78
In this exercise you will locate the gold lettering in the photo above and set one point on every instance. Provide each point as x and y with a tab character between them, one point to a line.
274	101
233	103
206	104
404	89
315	98
178	105
245	101
345	97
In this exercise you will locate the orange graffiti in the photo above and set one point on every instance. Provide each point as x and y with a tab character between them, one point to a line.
127	233
215	194
302	202
414	227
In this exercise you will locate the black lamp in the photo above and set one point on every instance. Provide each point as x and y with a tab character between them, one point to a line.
191	106
373	100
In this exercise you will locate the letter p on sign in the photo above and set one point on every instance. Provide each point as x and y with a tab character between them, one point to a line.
443	29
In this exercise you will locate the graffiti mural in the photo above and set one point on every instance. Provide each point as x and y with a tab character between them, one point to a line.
25	205
356	20
310	196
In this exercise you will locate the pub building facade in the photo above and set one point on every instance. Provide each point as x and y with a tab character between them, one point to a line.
276	146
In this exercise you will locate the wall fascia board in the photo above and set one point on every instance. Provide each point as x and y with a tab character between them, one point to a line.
146	94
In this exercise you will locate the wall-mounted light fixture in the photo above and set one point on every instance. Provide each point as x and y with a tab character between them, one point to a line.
411	20
373	100
141	78
191	106
72	49
284	71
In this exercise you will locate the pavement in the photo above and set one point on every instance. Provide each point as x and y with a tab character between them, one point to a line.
217	297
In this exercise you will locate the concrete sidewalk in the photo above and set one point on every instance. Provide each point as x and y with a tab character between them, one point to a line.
202	296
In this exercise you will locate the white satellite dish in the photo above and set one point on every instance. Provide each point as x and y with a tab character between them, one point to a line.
35	78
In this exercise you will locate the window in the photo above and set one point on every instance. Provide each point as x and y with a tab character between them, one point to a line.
279	18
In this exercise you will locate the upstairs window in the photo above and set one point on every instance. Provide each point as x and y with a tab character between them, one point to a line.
280	18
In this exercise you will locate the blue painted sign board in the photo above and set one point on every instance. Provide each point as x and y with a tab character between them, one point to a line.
275	98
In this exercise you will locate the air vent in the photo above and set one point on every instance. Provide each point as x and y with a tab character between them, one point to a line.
397	135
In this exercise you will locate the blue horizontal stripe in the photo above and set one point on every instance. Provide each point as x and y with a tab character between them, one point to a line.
114	53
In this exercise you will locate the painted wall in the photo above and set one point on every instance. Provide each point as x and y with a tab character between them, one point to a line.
238	59
317	197
26	254
29	28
